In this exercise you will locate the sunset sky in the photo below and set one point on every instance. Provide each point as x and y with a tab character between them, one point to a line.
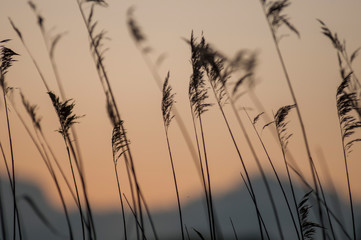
229	26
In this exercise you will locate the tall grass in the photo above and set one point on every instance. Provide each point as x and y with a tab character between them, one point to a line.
276	18
211	84
167	105
7	59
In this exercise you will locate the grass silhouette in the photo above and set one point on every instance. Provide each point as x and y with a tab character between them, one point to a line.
215	81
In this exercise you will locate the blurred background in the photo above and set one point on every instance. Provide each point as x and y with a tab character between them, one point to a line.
229	26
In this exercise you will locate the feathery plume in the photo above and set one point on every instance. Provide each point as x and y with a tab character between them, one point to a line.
245	62
134	28
119	142
64	111
16	29
255	119
275	15
213	64
98	2
31	110
332	36
6	60
111	110
167	102
197	89
96	38
347	106
307	227
281	124
342	55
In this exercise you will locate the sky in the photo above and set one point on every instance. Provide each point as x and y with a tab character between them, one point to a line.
229	26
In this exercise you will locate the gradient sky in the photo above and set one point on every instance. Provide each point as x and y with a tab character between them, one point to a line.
229	26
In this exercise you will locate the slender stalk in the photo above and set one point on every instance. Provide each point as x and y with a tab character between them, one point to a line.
30	54
312	166
244	165
50	168
146	208
349	65
48	90
92	233
137	188
131	209
105	80
327	209
234	230
2	212
303	130
202	172
187	232
175	183
6	165
121	202
63	205
76	190
290	181
257	209
243	129
59	167
260	107
177	116
61	90
131	184
336	199
332	214
348	182
278	179
149	216
15	208
208	178
77	155
52	173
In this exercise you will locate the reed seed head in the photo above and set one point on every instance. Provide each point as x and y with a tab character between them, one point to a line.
167	102
31	110
64	111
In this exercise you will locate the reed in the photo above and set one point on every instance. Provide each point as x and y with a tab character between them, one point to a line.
167	105
7	59
275	172
144	48
31	110
348	104
64	110
117	145
96	44
211	73
4	233
276	18
197	97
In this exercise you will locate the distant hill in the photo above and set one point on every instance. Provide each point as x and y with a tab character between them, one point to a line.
235	204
